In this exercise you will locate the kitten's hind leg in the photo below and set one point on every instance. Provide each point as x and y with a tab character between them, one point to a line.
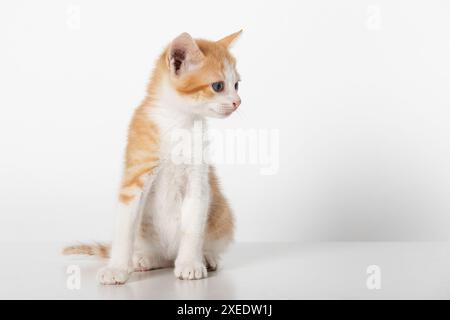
211	261
149	261
146	255
213	250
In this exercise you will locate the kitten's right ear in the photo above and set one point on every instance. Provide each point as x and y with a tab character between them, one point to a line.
184	54
229	40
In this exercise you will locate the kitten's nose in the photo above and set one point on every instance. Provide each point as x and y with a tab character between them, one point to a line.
236	103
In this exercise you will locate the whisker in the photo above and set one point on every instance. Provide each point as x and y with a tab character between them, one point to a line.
241	114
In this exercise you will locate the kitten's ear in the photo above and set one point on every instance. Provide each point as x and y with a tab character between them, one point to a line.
184	54
228	40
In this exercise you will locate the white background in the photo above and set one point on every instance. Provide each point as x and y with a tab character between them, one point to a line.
359	91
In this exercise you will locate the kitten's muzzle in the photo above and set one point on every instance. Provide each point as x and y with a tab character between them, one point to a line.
236	103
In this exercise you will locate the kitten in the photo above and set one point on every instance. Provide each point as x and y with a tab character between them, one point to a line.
173	214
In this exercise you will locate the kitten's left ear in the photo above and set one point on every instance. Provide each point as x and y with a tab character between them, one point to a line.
229	40
184	54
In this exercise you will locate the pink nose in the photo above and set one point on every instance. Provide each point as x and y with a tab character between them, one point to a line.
236	103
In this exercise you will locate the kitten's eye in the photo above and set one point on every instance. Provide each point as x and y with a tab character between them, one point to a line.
218	86
236	86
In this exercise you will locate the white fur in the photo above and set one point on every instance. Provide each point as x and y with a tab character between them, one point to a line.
176	198
180	205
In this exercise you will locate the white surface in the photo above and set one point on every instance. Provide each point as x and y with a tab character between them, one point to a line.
250	271
359	93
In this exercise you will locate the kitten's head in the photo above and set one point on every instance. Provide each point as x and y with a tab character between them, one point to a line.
203	74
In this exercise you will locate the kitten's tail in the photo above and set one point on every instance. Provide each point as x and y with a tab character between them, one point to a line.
97	249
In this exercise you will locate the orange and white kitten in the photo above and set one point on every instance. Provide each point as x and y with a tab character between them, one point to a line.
173	214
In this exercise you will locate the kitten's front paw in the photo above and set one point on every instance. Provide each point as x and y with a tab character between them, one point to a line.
190	270
112	276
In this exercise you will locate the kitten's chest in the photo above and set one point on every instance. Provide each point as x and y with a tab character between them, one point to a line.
163	208
178	144
180	137
170	186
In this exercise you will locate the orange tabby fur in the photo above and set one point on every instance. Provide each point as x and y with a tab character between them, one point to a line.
142	151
